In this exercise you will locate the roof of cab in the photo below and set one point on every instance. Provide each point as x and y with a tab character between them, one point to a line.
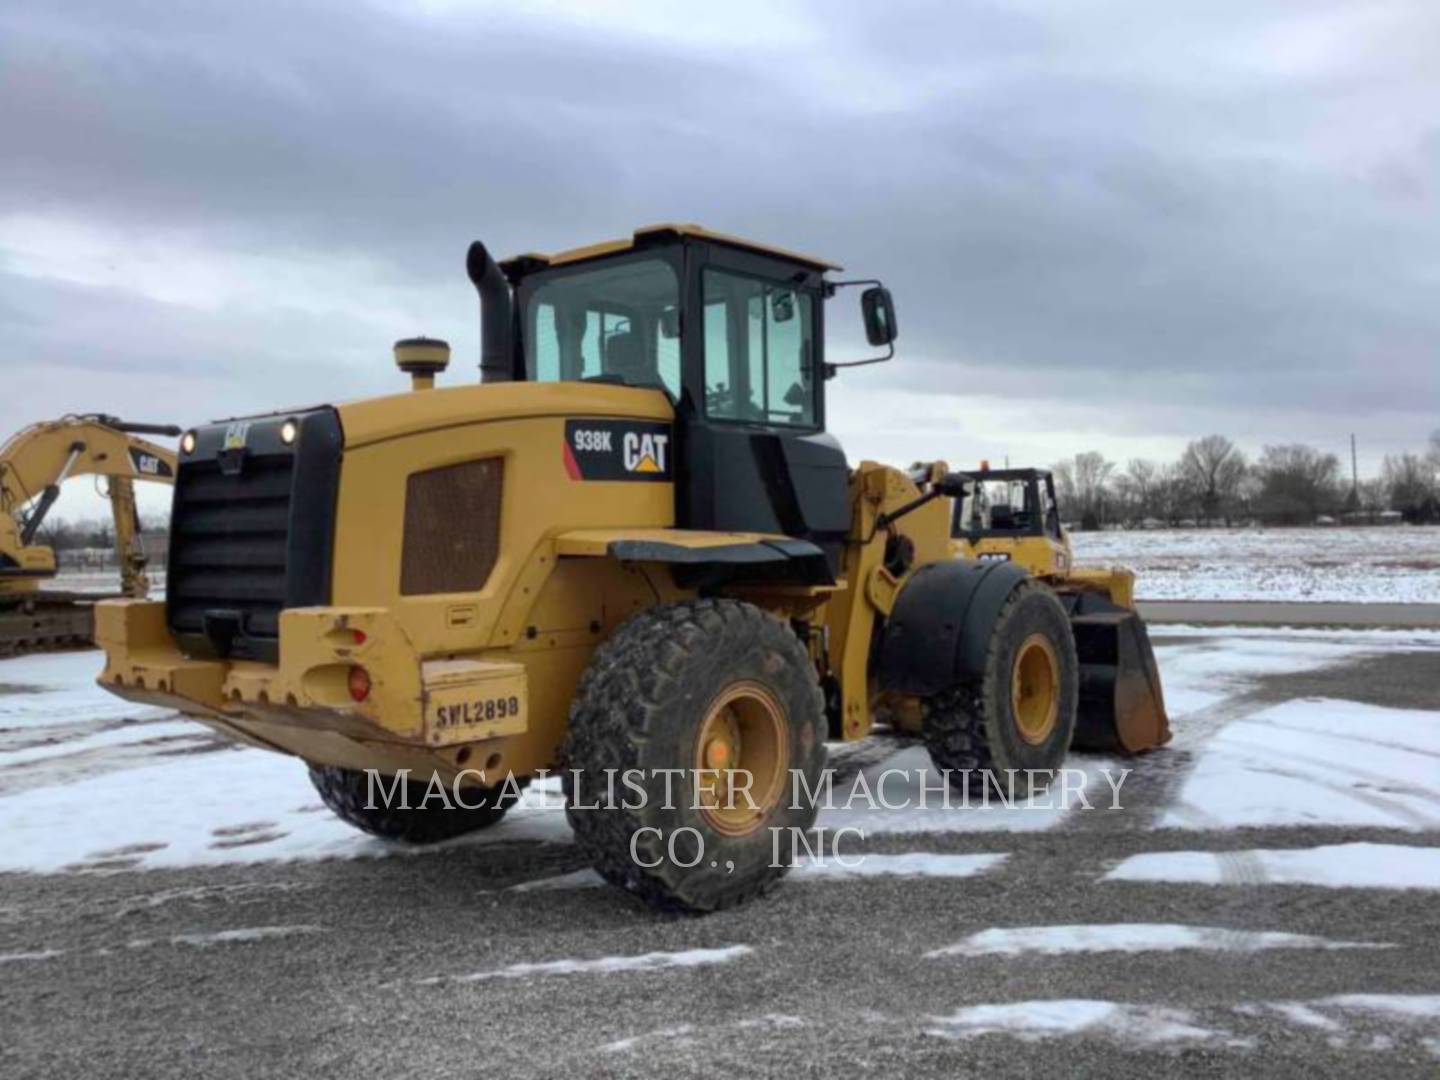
651	232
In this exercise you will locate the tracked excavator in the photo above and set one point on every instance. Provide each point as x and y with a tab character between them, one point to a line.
33	465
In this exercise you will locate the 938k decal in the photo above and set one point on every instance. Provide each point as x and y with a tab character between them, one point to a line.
617	450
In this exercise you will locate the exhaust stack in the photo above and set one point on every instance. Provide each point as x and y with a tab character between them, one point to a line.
496	320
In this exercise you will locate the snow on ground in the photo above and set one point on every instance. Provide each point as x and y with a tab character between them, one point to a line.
1207	664
911	864
38	691
91	782
1144	1025
1359	865
604	965
1131	938
906	794
828	868
1399	564
1316	762
1141	1025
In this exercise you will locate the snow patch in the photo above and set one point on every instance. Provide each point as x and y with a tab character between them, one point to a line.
652	961
247	934
576	879
1401	1006
25	957
910	864
1316	762
907	794
1360	866
1130	938
1032	1021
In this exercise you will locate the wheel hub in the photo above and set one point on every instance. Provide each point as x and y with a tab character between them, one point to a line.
742	754
1035	689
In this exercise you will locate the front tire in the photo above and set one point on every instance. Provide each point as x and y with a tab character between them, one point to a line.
1020	713
713	690
348	793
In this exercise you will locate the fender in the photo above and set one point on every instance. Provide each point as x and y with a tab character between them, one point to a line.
941	623
704	559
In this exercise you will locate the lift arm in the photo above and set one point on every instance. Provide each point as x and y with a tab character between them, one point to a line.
36	461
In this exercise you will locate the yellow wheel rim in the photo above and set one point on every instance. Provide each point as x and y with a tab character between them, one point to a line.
1035	689
742	754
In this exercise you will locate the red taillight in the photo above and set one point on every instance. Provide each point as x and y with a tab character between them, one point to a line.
359	683
359	636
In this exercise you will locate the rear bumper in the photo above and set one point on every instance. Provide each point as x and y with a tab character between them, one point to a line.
418	713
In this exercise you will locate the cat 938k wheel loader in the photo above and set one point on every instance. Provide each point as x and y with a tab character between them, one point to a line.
632	552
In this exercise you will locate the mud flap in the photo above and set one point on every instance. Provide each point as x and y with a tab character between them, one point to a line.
1122	707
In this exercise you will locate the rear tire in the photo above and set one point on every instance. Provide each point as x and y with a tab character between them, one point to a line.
703	687
347	792
1020	714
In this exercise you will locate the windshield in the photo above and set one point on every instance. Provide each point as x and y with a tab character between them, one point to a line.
1007	506
619	322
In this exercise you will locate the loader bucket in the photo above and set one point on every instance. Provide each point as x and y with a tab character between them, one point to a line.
1121	705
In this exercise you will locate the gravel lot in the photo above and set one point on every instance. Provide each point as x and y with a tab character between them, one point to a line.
299	950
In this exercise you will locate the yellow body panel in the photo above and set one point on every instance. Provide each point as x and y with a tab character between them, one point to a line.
1053	561
615	247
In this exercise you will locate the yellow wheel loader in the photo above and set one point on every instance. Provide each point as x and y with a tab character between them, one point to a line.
1012	515
632	553
33	465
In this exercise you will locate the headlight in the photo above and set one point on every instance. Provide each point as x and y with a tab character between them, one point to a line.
289	431
187	442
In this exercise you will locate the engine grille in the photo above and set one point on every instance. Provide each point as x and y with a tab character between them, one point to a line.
228	544
452	527
251	530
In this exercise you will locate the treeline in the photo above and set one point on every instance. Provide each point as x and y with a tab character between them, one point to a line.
91	541
1214	483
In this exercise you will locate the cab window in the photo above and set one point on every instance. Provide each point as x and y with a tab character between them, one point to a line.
617	323
759	351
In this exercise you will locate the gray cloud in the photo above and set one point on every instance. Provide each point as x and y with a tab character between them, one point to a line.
1132	222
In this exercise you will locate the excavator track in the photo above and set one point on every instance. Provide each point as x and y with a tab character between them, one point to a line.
47	621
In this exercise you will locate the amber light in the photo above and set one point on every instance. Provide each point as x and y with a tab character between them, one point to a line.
359	683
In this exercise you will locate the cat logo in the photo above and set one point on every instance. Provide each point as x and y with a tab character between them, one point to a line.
236	434
645	453
150	465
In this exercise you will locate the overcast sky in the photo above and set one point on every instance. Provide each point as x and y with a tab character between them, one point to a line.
1112	225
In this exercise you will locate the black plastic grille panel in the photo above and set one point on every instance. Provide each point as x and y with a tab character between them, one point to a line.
228	544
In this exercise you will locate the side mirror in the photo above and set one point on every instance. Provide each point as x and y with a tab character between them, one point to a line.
879	311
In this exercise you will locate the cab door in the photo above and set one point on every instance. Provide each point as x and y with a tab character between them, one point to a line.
755	453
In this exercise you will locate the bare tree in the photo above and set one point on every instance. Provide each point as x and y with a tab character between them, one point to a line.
1297	483
1215	468
1081	484
1411	485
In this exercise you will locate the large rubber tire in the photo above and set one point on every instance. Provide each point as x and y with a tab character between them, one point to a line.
347	793
641	705
972	728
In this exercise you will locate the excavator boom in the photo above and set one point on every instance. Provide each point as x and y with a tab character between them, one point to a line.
34	464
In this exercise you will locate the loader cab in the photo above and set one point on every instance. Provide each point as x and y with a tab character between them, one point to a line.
1011	515
733	333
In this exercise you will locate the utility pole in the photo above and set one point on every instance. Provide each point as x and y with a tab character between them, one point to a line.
1354	476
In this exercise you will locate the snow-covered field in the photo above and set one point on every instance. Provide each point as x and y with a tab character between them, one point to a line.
1394	564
